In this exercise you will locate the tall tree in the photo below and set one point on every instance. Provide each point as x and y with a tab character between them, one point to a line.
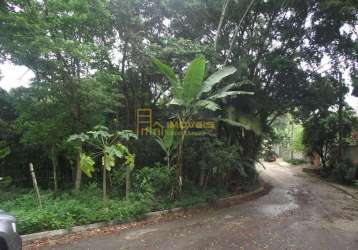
63	42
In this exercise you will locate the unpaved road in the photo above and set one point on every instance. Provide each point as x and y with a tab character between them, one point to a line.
301	212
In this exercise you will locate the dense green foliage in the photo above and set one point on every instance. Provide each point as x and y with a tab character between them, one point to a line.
70	209
192	95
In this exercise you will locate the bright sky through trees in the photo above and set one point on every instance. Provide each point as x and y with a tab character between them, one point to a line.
15	76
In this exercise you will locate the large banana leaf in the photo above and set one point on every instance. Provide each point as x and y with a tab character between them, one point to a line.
223	94
169	73
166	70
167	141
208	104
178	102
247	122
193	79
217	77
168	138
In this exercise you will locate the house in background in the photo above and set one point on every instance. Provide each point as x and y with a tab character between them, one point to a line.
351	152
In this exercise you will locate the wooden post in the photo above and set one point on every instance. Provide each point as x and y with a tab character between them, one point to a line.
35	184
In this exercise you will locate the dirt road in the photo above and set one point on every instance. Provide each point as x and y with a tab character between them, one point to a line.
301	212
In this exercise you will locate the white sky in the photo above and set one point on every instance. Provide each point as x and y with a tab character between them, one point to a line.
16	76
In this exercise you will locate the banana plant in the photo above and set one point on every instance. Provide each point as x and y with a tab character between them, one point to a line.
193	93
167	142
109	147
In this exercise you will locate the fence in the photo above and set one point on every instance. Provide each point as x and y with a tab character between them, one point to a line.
287	153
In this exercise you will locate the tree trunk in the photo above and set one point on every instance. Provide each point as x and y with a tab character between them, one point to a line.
128	182
168	159
78	170
179	167
223	13
202	176
104	181
54	167
340	118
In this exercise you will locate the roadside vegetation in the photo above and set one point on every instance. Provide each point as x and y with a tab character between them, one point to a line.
228	74
70	209
321	140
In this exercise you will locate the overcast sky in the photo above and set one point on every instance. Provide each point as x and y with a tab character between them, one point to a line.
16	76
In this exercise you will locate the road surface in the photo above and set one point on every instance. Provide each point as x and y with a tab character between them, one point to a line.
300	212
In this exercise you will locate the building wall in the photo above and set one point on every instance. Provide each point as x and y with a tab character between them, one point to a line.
351	153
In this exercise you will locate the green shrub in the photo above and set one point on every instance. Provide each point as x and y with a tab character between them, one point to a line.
223	165
155	181
345	172
193	195
70	209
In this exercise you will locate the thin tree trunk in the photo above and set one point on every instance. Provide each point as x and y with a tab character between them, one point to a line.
179	169
206	180
78	170
340	118
222	17
202	176
104	182
128	182
54	167
168	159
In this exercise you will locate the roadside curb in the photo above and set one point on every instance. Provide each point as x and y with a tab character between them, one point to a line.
348	191
221	203
345	190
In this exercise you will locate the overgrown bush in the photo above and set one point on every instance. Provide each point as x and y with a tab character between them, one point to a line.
345	172
70	209
154	181
210	162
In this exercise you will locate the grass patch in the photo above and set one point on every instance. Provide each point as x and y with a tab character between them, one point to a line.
70	209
